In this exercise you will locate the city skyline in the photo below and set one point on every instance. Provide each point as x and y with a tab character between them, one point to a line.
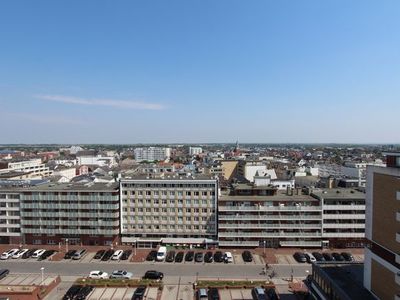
179	72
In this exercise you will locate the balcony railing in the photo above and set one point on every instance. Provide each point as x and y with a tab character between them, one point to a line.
269	208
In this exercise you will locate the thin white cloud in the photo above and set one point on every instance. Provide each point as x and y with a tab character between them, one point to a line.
102	102
43	119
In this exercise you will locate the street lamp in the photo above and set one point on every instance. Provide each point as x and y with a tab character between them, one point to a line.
264	242
42	271
66	245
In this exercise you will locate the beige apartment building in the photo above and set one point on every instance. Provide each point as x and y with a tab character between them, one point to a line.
382	256
168	210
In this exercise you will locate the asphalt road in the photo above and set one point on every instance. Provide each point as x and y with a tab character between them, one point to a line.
170	270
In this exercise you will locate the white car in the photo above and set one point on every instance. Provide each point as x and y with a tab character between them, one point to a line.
8	254
228	257
38	253
117	255
98	275
120	274
20	253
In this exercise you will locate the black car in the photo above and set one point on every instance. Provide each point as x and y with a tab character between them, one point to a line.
69	254
28	254
72	292
4	273
107	255
99	254
271	293
139	293
328	257
300	257
153	275
189	256
338	257
83	293
209	257
47	254
152	255
179	257
318	256
247	257
347	256
218	256
213	294
199	257
125	255
170	256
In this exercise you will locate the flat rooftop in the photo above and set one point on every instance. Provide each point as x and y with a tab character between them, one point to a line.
338	193
157	177
80	187
349	278
278	197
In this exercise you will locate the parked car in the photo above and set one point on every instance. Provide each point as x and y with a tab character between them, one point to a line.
198	257
189	256
99	254
72	292
8	254
170	256
318	256
38	253
120	274
4	273
179	257
213	294
247	256
228	257
79	254
347	256
117	255
201	294
300	257
69	254
152	255
328	256
218	256
126	254
29	253
209	257
258	293
83	292
338	257
46	254
107	255
310	258
98	275
20	253
139	293
153	275
272	295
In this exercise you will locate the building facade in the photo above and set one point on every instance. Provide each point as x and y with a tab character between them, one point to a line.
10	221
152	154
171	210
34	167
382	256
86	214
195	150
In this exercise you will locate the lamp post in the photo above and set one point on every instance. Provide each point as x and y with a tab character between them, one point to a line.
66	245
42	271
264	247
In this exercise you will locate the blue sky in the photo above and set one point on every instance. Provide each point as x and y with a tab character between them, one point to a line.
199	71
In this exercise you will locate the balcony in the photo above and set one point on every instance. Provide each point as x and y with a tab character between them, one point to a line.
269	208
343	235
270	217
397	278
343	207
262	226
398	216
398	237
300	243
263	234
238	243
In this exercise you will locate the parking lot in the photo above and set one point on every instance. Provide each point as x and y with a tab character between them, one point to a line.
27	279
120	294
289	259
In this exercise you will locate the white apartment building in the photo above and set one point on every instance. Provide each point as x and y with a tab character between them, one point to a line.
33	166
169	210
10	221
152	154
343	216
195	150
98	160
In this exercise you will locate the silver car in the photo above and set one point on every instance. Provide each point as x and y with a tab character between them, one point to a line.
120	274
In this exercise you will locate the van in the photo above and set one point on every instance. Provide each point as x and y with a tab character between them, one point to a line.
117	255
162	251
228	257
79	254
310	258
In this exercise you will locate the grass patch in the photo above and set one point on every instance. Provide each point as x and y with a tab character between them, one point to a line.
118	282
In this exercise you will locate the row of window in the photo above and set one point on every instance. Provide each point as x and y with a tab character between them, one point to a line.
165	227
167	185
169	193
171	202
166	210
165	218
